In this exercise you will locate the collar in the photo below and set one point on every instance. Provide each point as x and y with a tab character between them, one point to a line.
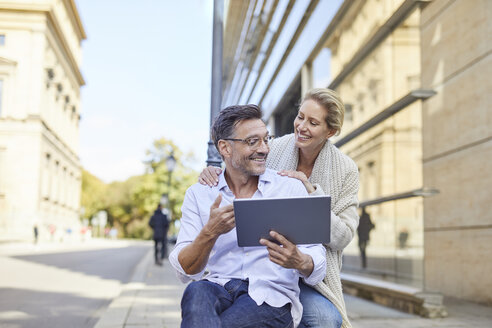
265	178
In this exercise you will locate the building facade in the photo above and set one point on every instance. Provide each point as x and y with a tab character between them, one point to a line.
456	39
395	64
389	153
40	80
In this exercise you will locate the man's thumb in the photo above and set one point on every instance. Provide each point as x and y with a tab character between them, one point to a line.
217	201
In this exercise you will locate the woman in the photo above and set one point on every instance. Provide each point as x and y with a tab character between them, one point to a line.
308	155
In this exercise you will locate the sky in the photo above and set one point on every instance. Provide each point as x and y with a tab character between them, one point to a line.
147	67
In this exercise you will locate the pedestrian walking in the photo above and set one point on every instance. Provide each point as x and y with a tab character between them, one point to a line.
365	227
159	222
52	229
403	238
36	233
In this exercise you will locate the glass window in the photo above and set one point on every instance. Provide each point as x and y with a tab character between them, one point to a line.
2	172
348	113
46	176
1	89
321	69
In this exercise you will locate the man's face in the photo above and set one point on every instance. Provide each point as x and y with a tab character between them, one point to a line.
251	160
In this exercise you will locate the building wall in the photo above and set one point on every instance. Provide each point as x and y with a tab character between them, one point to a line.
389	154
443	142
363	18
40	111
457	147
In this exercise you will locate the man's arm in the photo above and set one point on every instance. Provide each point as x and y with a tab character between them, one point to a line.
194	257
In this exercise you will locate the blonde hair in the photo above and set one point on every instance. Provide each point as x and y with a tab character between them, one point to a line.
329	100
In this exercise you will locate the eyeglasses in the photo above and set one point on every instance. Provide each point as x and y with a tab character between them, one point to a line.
253	142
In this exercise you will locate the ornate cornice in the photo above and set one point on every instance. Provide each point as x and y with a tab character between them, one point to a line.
7	62
73	13
52	20
66	49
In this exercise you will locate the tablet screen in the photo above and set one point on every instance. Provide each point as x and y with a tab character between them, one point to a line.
302	220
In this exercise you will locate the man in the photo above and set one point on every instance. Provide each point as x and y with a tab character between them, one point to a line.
244	287
36	233
363	230
160	224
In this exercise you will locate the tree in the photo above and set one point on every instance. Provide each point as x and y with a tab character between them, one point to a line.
156	181
130	203
120	206
93	191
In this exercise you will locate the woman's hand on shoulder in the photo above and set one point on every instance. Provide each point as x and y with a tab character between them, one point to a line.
210	176
299	176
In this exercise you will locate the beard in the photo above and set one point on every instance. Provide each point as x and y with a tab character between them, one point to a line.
249	166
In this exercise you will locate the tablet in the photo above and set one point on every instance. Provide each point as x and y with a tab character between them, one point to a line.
302	220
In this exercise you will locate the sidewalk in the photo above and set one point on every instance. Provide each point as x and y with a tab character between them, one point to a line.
24	248
152	300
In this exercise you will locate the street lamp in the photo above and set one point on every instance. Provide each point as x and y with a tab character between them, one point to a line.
213	157
171	164
163	200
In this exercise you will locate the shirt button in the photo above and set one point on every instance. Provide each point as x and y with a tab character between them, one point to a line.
247	254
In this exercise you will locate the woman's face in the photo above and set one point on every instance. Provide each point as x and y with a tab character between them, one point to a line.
310	128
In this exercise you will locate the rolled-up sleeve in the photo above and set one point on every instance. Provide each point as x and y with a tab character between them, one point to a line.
318	191
191	225
318	254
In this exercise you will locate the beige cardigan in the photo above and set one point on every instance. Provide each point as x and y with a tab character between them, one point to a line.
333	174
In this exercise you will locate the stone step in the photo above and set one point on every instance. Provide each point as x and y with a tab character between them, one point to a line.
408	299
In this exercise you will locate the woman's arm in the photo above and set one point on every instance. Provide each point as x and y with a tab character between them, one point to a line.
344	216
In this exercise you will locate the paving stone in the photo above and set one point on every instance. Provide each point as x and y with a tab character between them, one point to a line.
153	301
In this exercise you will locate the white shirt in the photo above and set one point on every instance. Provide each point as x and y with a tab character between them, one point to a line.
268	282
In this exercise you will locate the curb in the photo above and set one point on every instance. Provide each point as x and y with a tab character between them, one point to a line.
117	313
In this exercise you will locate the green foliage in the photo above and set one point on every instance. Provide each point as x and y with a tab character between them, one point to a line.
119	204
157	182
130	203
93	194
139	229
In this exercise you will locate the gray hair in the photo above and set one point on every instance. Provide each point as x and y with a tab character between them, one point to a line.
229	117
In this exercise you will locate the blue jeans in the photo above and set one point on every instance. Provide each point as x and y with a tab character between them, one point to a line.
209	305
318	311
